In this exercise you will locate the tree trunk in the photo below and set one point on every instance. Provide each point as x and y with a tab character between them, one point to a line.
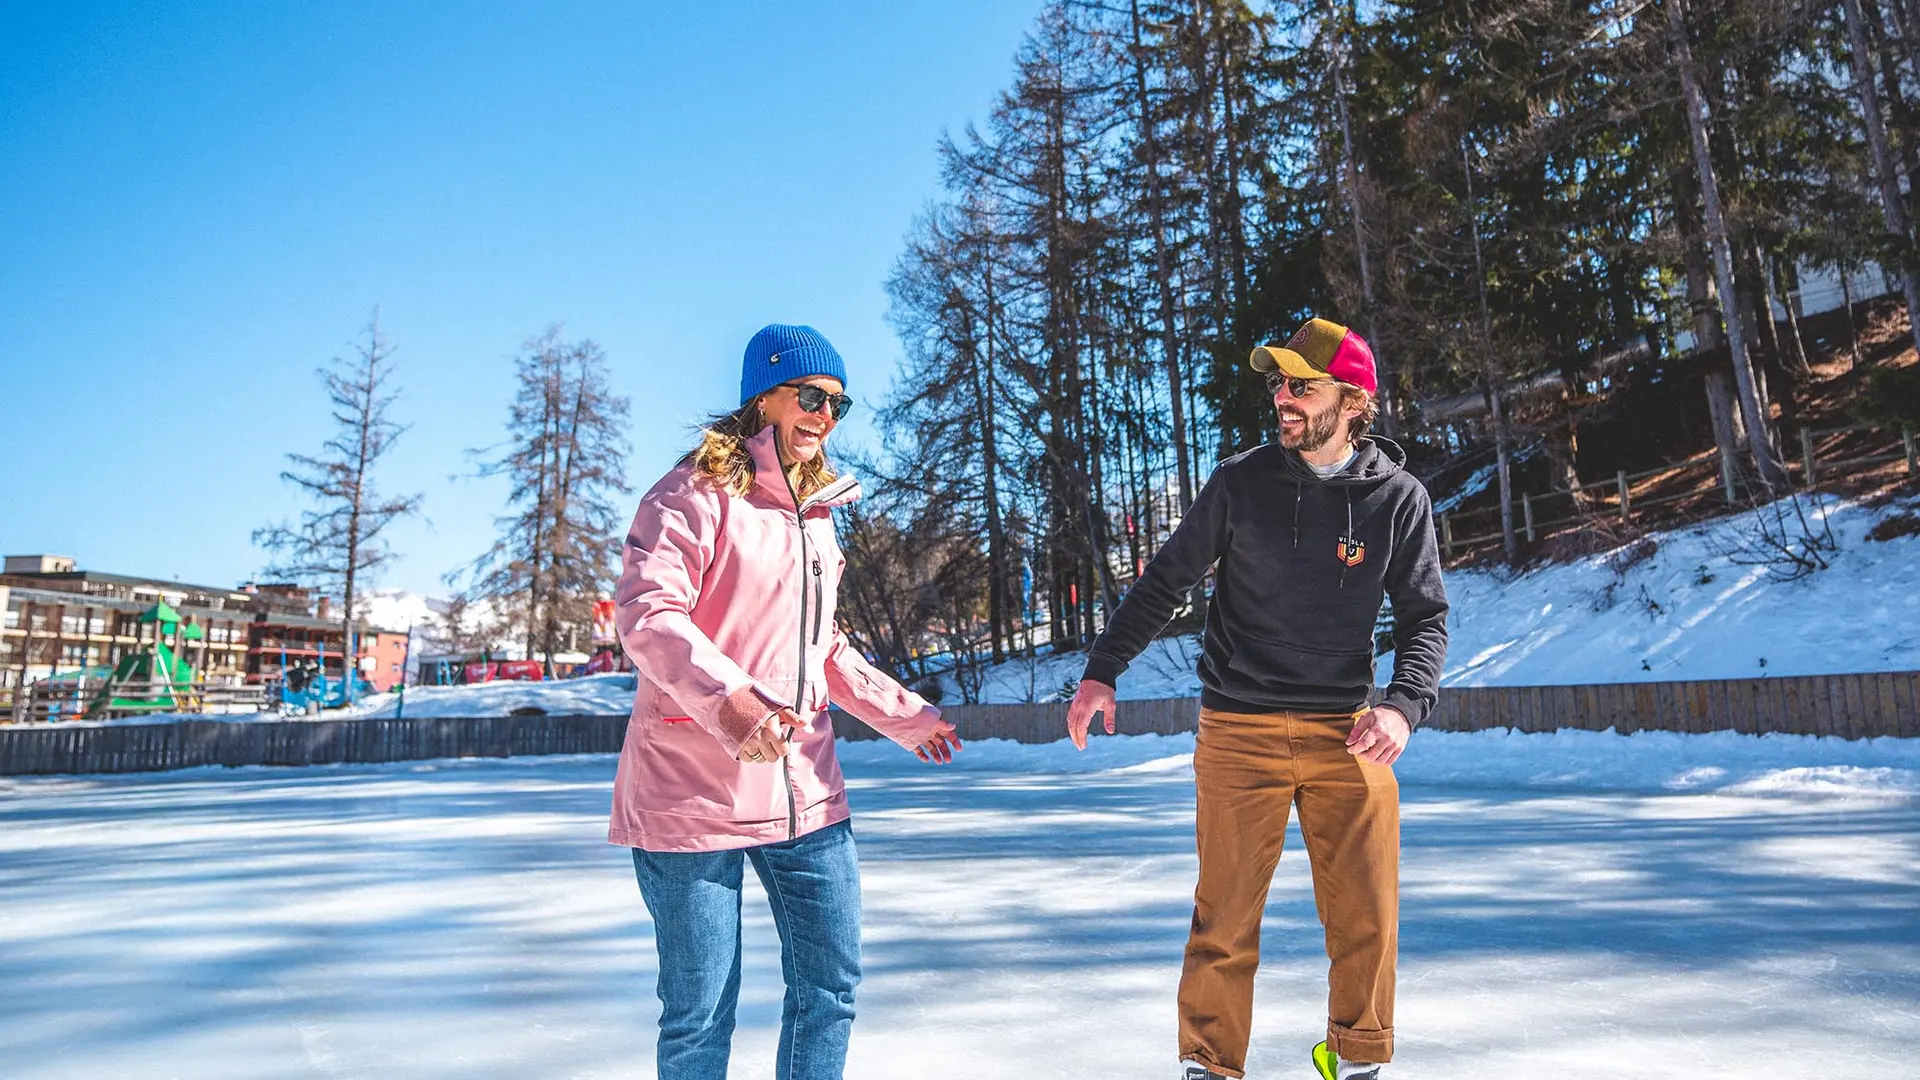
1897	104
1771	474
1502	438
1892	203
999	626
1503	456
1797	355
1729	434
1853	328
1389	400
1162	269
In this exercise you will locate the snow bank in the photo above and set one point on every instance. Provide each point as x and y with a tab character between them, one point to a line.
590	695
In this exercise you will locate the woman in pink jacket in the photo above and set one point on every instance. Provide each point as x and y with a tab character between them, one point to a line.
726	606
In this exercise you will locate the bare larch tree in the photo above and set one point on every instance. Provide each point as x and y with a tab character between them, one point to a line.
565	457
339	544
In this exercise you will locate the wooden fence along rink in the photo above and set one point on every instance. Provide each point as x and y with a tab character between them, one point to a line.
1848	706
190	743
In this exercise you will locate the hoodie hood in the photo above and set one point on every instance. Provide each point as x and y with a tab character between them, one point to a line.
1375	459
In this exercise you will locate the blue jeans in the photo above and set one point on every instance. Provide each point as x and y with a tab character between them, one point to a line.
813	886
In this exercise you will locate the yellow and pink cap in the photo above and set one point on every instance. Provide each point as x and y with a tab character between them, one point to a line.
1321	349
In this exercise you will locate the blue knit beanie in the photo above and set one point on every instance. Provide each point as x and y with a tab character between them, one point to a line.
780	354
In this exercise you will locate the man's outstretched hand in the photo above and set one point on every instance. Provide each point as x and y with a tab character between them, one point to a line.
1092	697
1380	735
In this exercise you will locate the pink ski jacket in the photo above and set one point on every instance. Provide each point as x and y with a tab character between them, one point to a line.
722	594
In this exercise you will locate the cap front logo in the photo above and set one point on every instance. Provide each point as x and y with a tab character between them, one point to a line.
1351	551
1299	337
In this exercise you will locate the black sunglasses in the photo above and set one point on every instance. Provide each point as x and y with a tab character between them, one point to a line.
1297	387
812	397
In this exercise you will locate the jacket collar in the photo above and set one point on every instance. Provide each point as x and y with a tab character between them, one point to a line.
769	477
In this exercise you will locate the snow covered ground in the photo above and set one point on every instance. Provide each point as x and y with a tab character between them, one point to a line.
1577	905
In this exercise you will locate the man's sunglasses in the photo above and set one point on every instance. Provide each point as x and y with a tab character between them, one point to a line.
812	397
1298	388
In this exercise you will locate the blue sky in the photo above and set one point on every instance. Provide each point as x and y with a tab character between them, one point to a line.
202	202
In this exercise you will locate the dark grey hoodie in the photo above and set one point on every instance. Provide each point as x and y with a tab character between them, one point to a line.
1302	565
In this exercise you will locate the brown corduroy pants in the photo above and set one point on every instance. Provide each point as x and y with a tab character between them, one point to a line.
1249	769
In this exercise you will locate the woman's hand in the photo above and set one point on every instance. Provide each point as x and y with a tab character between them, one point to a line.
770	742
940	746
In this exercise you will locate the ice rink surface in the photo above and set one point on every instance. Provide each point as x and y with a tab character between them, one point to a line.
1574	906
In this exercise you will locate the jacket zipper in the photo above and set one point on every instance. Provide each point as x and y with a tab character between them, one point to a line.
819	599
800	688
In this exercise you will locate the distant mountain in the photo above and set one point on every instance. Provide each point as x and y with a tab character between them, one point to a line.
398	609
401	610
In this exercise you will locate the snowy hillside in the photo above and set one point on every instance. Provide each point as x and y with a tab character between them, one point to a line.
1678	605
1687	606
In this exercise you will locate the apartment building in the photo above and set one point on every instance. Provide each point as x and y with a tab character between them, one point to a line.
56	618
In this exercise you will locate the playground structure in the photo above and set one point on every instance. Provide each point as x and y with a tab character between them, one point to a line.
306	688
153	678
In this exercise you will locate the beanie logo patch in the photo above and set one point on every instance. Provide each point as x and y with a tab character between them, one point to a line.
774	359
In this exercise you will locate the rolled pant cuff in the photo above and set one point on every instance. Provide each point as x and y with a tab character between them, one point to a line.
1355	1045
1206	1059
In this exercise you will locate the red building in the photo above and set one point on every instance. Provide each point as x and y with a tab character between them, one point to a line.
284	634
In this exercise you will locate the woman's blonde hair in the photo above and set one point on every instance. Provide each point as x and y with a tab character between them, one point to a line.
721	454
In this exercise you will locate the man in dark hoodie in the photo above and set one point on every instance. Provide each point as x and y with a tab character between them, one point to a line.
1305	538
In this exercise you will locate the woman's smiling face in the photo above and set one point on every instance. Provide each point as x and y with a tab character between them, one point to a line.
800	434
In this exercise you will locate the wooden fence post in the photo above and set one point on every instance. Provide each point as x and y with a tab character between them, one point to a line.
1906	441
1808	469
1626	496
1726	474
1446	534
1526	509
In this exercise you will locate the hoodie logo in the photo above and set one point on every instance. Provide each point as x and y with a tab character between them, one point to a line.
1351	551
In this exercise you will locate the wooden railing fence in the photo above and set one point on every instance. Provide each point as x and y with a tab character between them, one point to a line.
1855	706
190	743
1847	706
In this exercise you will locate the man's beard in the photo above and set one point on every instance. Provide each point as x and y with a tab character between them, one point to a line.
1318	430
